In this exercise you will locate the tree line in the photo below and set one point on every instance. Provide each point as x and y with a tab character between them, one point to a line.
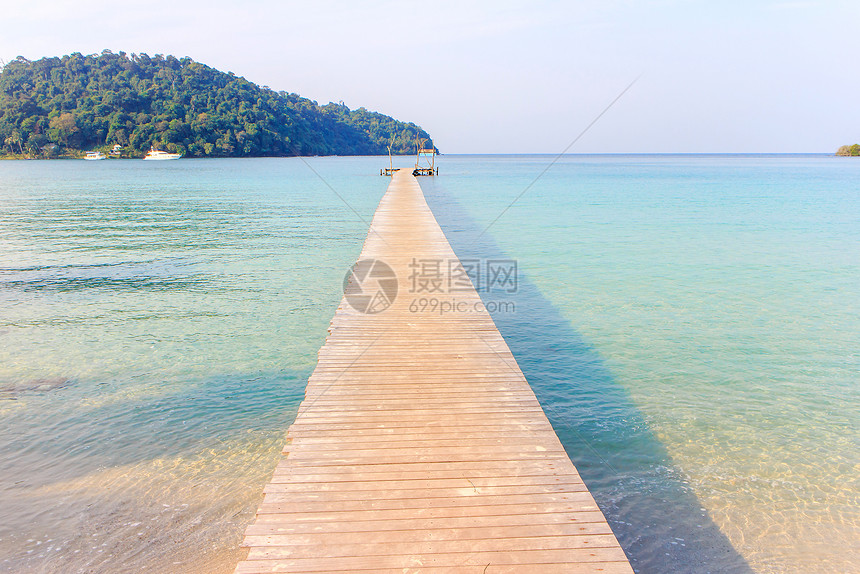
849	150
61	106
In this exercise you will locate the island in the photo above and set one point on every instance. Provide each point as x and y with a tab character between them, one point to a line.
129	103
849	150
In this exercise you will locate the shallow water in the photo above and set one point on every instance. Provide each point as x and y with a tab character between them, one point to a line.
691	325
158	328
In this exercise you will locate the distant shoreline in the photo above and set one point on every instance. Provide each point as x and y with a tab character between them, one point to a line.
499	155
81	155
849	151
63	107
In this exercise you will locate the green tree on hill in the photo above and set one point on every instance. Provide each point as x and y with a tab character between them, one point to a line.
849	150
82	102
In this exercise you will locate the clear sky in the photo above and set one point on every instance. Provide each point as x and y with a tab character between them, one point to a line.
512	77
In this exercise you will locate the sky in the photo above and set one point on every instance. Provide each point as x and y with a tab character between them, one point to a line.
730	76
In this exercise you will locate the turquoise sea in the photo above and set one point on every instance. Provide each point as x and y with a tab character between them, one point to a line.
691	325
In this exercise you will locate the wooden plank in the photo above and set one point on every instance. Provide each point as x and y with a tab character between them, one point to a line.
286	538
286	524
382	492
440	484
278	547
419	446
596	556
302	513
424	500
268	566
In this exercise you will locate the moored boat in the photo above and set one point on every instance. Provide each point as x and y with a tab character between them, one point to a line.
155	154
94	156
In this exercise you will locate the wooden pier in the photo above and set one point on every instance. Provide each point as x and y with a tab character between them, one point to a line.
420	447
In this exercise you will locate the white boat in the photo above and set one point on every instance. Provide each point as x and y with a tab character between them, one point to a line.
94	156
156	154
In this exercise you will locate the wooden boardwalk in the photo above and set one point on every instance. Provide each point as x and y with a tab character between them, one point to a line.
420	447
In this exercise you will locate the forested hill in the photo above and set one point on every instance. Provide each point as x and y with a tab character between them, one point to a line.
59	106
849	150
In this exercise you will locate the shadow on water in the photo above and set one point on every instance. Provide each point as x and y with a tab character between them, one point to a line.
657	518
63	433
